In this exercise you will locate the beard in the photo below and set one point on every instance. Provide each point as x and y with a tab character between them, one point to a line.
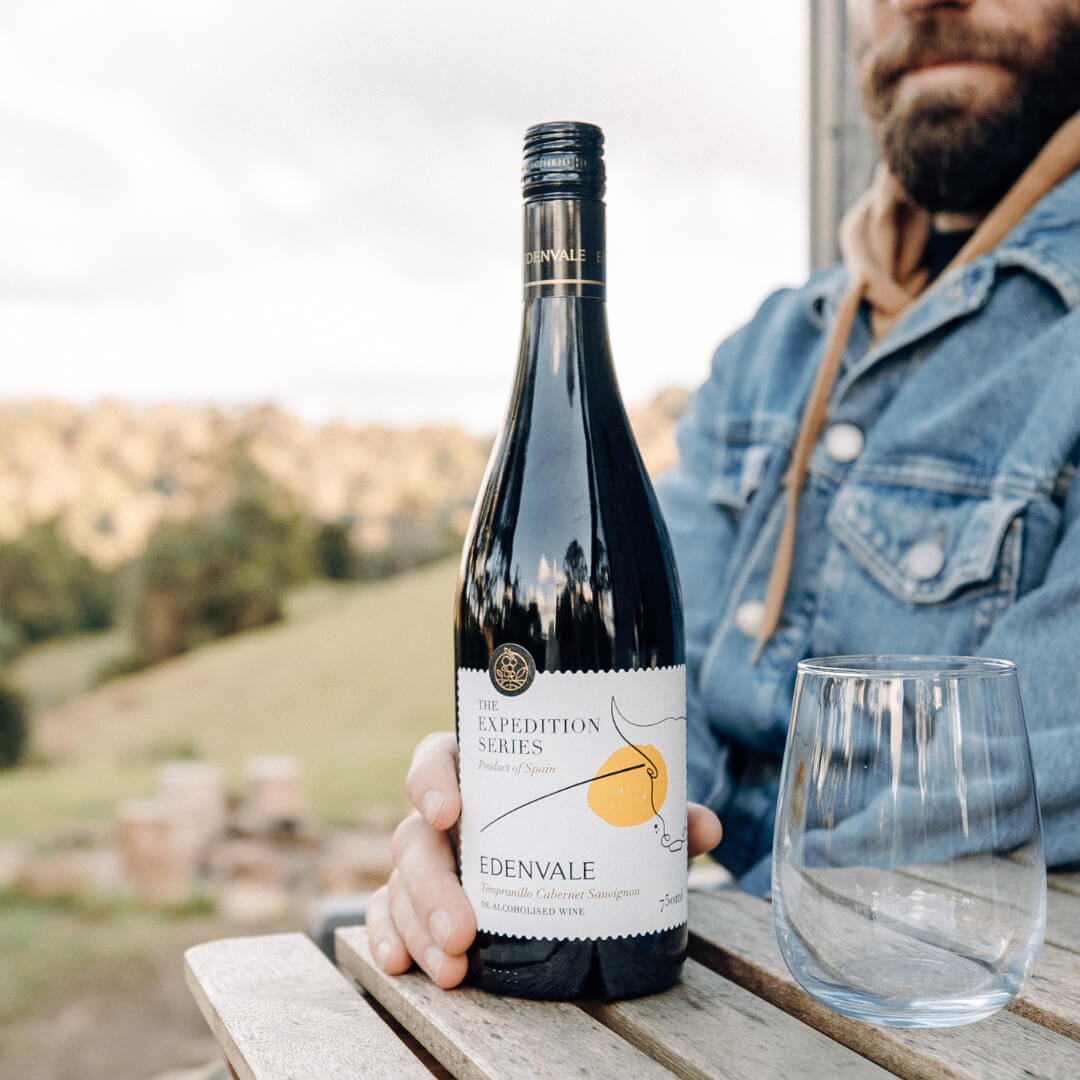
952	153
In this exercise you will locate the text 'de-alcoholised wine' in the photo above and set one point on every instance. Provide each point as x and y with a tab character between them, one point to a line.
571	683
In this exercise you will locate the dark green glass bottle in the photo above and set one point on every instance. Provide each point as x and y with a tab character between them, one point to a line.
569	643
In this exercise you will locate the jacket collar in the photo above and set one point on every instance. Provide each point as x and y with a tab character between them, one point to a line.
1045	243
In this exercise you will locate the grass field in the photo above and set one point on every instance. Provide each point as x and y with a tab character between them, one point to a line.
47	944
348	684
56	671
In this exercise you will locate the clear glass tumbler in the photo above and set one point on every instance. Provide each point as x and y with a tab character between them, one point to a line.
909	886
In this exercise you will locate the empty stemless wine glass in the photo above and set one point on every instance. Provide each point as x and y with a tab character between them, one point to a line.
908	882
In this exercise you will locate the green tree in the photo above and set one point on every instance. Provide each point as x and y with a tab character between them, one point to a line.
47	588
14	727
335	556
214	576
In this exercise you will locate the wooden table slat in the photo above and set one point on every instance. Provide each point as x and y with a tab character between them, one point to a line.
280	1011
1051	997
479	1036
1062	902
1062	913
707	1028
732	932
1065	881
1063	920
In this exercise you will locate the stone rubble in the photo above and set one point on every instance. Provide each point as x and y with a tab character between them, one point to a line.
255	858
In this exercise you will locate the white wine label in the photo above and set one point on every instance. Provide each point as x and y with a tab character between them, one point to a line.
574	795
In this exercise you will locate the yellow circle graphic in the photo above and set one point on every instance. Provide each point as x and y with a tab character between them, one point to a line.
637	790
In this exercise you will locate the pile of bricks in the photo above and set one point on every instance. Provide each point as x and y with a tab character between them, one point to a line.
257	856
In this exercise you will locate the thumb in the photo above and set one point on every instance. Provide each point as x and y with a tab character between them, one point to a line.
703	829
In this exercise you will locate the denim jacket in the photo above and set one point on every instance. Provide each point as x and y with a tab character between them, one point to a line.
941	513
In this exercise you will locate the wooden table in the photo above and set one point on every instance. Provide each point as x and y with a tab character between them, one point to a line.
281	1010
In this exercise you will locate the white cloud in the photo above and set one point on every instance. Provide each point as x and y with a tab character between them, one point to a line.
317	203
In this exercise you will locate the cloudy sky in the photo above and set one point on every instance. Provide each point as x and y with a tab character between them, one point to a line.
316	203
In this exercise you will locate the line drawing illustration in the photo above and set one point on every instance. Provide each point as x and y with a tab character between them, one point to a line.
653	771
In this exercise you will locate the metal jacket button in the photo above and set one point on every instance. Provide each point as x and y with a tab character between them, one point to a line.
748	617
844	442
925	559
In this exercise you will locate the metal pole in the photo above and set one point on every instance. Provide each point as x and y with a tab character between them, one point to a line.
842	152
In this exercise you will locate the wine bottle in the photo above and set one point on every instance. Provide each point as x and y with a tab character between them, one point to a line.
570	652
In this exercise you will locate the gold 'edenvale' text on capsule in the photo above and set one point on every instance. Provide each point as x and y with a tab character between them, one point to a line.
553	255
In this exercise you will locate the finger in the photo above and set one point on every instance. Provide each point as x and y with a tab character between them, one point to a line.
445	971
703	829
432	782
425	863
387	946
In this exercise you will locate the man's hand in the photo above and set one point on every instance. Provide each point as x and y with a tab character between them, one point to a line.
422	914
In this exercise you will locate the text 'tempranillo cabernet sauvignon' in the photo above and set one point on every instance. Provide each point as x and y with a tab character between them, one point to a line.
571	691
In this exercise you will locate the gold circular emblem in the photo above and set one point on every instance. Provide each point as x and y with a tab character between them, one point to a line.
511	670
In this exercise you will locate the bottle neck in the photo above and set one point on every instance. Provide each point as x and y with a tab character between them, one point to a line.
564	248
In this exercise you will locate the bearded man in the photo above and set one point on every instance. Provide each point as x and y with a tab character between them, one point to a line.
883	461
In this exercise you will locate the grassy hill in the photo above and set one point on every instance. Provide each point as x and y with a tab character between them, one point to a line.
348	683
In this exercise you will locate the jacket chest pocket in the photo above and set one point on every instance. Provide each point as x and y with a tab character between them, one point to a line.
927	549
